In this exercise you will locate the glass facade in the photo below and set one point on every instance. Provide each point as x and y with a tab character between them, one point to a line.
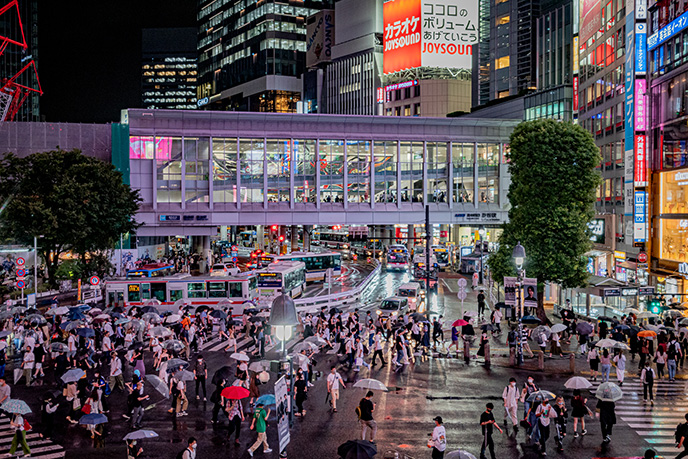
669	109
226	172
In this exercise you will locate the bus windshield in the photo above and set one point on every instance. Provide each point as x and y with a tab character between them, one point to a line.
442	256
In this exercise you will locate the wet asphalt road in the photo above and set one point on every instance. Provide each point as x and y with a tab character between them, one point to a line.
430	387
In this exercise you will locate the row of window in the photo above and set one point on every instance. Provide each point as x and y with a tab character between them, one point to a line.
603	54
606	122
405	111
401	94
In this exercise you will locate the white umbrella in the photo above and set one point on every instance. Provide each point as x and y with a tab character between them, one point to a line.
305	345
632	311
316	340
622	346
608	392
240	356
646	315
556	328
606	343
371	384
103	316
59	311
152	302
459	454
577	382
470	314
179	304
172	318
300	358
261	365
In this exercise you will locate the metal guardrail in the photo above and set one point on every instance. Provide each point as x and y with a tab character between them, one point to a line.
313	305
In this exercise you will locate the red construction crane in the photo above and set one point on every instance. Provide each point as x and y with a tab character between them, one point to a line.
12	93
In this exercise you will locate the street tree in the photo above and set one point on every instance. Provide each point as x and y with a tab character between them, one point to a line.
552	193
74	203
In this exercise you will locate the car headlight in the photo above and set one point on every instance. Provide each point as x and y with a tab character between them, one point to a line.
394	313
378	312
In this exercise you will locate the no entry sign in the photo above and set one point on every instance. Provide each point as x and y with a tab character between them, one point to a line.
94	280
20	261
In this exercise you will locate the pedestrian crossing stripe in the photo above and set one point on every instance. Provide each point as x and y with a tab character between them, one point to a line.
41	447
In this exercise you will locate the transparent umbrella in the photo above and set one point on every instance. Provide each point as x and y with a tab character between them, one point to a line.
152	317
459	454
174	345
608	392
577	382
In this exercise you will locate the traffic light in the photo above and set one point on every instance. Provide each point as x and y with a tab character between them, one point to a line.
281	238
275	227
655	306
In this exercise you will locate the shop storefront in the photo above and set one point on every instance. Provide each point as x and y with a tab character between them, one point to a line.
670	240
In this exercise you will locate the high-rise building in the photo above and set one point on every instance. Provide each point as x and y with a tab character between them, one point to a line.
15	58
506	54
168	68
252	54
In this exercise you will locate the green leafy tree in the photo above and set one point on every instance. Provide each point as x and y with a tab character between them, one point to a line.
552	192
76	203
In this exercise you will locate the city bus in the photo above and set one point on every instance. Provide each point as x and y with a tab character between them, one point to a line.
151	270
192	290
248	239
287	277
443	255
397	258
334	240
317	264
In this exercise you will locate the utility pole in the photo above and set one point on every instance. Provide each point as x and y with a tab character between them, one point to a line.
428	239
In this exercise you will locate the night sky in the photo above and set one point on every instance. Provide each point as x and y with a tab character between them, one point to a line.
90	54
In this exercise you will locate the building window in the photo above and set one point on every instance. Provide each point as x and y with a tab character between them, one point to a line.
397	111
502	94
416	109
502	62
389	112
503	20
407	110
416	91
397	94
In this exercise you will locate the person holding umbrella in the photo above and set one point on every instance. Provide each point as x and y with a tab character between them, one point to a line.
579	410
620	362
235	414
17	423
607	415
647	377
545	413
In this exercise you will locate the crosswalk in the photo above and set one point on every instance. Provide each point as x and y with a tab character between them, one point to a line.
656	423
218	344
42	448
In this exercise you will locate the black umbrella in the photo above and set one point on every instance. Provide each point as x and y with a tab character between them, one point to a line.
530	320
118	309
251	311
500	305
607	319
335	311
202	308
146	309
257	319
218	314
223	373
487	327
357	449
584	328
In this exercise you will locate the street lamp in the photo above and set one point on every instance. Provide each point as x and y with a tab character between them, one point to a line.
519	256
283	319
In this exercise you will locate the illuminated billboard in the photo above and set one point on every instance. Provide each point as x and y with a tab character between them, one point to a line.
429	33
591	18
320	32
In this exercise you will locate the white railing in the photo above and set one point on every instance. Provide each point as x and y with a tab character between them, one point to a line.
339	299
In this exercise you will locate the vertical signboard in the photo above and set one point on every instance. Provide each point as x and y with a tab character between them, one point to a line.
640	220
576	51
283	407
510	291
530	299
640	47
629	123
640	104
640	165
575	93
402	35
320	33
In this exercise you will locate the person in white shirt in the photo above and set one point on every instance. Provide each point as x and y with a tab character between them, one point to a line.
71	346
116	372
497	319
334	380
27	365
511	396
377	346
620	362
439	439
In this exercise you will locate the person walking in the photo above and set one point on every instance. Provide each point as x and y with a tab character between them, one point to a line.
545	413
301	389
660	359
594	362
607	417
137	405
674	355
620	362
510	396
497	321
17	423
377	343
579	410
680	435
647	377
487	423
481	303
235	414
366	408
438	443
27	364
334	381
606	363
190	451
259	421
200	374
182	399
116	372
560	422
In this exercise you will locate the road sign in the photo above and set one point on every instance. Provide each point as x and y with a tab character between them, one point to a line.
234	254
21	284
20	261
94	280
462	282
234	259
642	257
21	273
234	248
461	294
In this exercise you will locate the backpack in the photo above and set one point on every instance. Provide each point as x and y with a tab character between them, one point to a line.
681	431
649	375
671	351
180	454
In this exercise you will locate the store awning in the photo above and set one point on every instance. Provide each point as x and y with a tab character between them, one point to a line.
596	253
601	281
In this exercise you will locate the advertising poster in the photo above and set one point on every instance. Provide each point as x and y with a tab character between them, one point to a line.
530	299
283	408
402	35
591	18
510	291
320	33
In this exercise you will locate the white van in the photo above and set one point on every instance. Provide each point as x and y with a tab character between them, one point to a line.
392	307
415	295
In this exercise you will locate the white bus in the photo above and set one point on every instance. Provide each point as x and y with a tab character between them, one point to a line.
443	255
397	259
192	290
287	277
317	264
